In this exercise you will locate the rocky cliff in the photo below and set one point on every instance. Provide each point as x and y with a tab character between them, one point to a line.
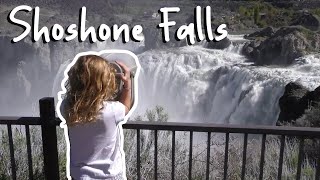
300	106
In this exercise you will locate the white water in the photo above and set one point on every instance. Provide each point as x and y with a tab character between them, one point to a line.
195	84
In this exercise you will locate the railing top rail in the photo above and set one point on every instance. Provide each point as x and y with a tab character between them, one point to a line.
20	120
224	128
196	127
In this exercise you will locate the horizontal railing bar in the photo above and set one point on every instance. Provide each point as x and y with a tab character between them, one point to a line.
224	128
196	127
20	120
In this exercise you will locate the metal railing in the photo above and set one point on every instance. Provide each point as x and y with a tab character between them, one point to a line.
301	132
48	123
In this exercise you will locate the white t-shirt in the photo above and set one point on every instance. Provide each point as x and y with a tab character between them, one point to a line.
95	148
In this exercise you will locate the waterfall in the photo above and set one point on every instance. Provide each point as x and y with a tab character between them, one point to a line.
195	84
200	85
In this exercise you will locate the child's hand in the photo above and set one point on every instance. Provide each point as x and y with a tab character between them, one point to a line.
125	97
126	76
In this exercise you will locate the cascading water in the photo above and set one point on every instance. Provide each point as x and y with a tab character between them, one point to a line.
195	84
200	85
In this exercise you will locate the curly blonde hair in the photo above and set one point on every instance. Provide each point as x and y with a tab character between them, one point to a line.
91	81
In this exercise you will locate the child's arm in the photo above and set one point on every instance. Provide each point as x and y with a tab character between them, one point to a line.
125	96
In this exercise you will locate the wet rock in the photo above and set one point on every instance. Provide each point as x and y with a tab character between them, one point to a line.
299	106
266	32
291	104
283	47
224	43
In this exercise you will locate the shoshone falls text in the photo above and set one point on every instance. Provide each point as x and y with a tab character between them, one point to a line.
192	32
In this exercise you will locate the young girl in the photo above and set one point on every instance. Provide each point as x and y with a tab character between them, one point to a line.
93	115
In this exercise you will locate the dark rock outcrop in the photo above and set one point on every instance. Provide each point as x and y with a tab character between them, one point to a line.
291	103
314	96
301	107
266	32
307	20
283	47
295	101
224	43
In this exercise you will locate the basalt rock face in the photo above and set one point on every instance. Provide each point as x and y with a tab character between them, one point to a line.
307	20
299	106
266	32
292	103
224	43
282	47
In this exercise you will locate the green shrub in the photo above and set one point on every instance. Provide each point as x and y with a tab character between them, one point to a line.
316	11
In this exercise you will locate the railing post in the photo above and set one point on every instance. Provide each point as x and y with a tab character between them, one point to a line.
318	169
49	138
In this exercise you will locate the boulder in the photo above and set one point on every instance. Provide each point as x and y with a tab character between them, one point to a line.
307	20
250	48
283	47
291	104
224	43
266	32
